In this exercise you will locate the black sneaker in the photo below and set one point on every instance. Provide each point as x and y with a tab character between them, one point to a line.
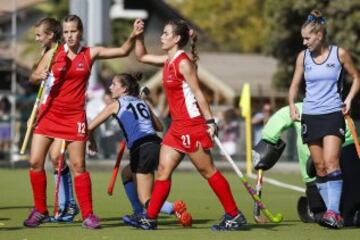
146	223
229	223
67	215
132	220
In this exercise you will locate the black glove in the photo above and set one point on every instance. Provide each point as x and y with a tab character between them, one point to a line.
213	128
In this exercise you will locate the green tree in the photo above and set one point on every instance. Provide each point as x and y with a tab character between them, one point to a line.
234	25
53	8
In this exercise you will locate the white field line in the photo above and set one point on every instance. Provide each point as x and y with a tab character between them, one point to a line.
279	184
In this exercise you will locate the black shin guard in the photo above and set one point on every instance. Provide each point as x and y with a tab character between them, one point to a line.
311	208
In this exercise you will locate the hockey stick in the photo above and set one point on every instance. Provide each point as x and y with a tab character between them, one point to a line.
259	181
61	161
33	114
273	218
116	168
353	133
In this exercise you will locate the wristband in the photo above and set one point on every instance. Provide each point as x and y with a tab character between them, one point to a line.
210	121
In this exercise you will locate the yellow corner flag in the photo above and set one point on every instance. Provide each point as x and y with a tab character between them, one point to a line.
245	105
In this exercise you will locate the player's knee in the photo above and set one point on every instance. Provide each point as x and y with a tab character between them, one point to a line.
207	171
54	160
36	164
163	172
320	169
126	174
78	168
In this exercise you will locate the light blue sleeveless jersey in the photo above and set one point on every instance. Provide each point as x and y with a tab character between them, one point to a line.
134	119
323	84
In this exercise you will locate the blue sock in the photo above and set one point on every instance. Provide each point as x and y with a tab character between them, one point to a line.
66	194
68	187
131	193
167	208
334	186
321	183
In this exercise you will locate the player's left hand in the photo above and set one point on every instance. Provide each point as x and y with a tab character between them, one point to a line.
213	128
346	106
92	147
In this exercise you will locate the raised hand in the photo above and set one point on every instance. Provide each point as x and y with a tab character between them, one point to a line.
138	28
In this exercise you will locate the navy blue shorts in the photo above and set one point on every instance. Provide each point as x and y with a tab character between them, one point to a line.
315	127
144	155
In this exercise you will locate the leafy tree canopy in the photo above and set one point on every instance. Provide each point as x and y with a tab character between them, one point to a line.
234	25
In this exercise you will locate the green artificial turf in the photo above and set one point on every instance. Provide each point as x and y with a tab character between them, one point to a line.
16	203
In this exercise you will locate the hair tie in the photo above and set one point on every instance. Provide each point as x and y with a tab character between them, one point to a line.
313	18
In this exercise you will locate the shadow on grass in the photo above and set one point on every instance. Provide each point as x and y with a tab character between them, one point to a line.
176	222
268	226
10	228
15	207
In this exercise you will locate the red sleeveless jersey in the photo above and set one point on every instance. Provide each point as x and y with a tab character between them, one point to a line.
182	103
187	130
62	112
71	78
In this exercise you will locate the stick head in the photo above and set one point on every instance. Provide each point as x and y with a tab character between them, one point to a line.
260	219
278	218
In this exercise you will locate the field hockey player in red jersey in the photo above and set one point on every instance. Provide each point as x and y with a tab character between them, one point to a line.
62	116
191	129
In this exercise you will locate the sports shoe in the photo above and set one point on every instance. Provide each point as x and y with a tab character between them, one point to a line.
179	207
91	222
181	213
332	219
229	223
146	223
36	218
132	220
186	219
67	215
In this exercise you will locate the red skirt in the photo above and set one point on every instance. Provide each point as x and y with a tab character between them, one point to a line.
187	138
68	124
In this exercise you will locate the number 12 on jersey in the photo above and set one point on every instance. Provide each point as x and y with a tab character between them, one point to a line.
81	127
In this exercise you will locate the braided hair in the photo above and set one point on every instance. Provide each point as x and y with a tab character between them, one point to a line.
181	28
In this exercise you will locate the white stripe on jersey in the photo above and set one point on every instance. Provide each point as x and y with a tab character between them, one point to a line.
190	101
49	82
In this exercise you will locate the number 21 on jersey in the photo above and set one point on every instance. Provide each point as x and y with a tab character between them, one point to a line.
186	140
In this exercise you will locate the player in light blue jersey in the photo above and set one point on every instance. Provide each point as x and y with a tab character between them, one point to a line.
139	125
322	120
